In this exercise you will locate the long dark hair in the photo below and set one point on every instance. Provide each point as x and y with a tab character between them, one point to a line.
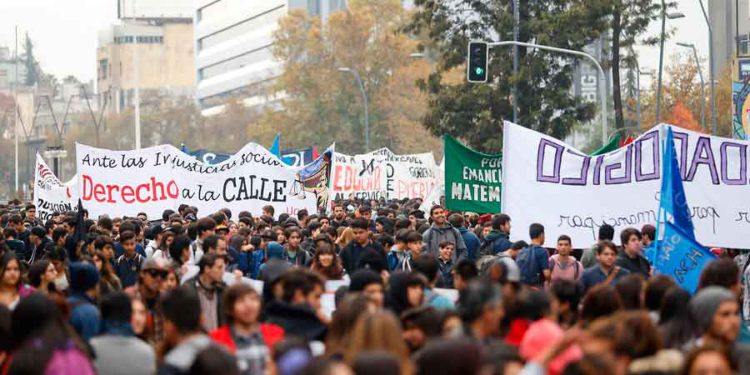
5	260
333	272
39	329
107	273
35	274
676	323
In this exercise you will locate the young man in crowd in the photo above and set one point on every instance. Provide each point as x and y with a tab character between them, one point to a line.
148	291
339	216
427	265
464	272
414	246
470	239
128	265
352	252
398	252
370	284
480	306
84	315
498	240
38	244
298	311
209	286
533	261
205	227
182	331
563	266
117	350
630	258
606	233
606	271
445	265
440	231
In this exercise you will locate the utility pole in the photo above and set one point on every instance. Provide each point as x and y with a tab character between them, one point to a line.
516	36
16	112
136	83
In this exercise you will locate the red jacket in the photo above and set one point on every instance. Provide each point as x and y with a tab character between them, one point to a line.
271	333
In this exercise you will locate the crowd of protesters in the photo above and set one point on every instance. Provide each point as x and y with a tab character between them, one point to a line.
413	292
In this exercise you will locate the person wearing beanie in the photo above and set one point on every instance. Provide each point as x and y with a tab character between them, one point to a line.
370	284
84	316
716	313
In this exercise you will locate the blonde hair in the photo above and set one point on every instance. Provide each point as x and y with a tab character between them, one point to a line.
378	331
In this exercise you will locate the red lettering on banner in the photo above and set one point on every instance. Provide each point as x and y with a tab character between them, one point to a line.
150	191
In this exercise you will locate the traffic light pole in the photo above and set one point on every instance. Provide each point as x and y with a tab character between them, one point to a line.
602	86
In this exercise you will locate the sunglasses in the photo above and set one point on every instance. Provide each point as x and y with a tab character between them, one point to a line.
157	273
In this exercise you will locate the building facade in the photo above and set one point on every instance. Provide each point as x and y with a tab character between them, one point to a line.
233	57
730	22
163	50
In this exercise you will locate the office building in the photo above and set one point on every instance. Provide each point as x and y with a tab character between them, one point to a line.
730	21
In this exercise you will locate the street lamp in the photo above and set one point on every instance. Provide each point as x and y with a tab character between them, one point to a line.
710	66
664	16
364	99
700	75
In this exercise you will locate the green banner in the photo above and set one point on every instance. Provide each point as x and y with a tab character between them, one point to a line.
612	145
473	180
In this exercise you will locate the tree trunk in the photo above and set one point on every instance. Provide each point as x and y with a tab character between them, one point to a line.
616	91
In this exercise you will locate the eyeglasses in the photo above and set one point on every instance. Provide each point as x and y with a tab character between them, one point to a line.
157	273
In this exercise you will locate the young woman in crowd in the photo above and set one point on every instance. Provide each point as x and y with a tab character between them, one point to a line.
12	287
42	275
327	263
108	282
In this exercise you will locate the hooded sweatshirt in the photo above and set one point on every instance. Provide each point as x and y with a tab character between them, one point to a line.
432	238
179	359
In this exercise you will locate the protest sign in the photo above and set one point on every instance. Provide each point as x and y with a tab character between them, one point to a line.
316	176
473	180
151	180
435	198
410	176
549	182
51	195
359	176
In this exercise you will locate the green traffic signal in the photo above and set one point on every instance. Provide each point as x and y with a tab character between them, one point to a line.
479	71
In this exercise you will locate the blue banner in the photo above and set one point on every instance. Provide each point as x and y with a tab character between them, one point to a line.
672	198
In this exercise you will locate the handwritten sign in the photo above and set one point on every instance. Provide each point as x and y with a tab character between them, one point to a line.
151	180
569	192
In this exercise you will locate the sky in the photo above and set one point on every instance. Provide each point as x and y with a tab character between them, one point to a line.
65	33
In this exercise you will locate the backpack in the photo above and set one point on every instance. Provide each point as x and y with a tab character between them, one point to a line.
487	248
553	264
528	266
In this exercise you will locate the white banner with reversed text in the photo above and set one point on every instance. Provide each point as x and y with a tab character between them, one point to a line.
548	182
151	180
50	194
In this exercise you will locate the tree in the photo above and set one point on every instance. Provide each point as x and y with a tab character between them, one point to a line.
323	105
30	63
681	116
474	112
630	20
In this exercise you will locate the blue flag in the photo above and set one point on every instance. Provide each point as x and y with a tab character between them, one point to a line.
672	197
275	148
678	255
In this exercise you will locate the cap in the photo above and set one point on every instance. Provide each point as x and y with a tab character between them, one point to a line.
155	264
221	227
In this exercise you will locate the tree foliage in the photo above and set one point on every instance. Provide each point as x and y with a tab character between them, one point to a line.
474	112
323	105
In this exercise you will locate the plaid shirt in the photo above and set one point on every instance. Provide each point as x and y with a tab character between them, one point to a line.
252	353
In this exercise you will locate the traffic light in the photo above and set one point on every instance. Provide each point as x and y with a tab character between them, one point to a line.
477	65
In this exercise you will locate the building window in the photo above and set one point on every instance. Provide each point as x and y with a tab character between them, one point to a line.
237	62
102	71
243	27
744	45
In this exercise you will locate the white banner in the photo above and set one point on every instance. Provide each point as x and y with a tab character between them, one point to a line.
383	174
151	180
548	182
51	195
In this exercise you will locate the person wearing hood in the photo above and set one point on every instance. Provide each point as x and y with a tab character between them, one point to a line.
182	331
440	231
275	263
498	240
84	316
117	349
298	311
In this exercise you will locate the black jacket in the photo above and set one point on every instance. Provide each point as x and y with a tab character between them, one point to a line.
296	320
351	253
